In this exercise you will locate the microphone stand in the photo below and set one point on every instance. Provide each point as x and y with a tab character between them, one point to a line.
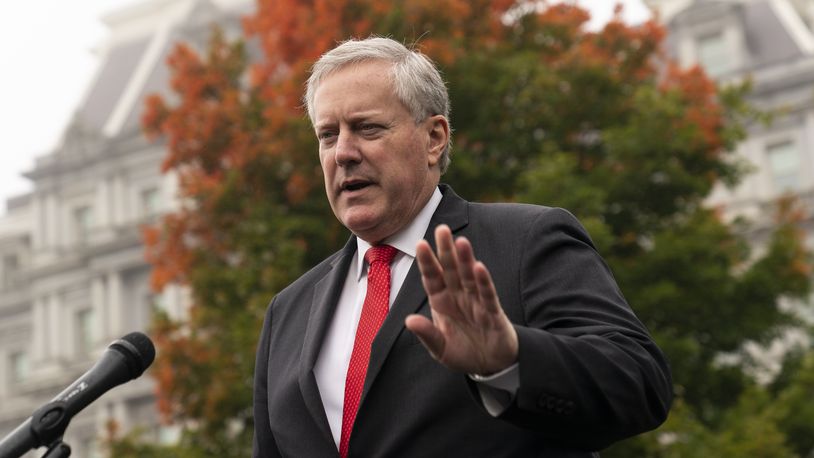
48	425
58	449
125	359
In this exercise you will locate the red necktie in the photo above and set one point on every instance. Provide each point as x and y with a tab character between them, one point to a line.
374	310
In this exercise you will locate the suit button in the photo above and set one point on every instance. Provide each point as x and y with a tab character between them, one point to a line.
541	402
560	404
569	408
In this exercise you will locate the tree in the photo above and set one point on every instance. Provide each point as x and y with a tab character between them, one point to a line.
544	111
253	217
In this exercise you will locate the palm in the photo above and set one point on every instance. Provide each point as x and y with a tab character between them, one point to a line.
469	331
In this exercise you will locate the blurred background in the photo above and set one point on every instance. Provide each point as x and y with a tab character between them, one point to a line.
159	175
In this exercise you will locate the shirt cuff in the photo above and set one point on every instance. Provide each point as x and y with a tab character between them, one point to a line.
497	391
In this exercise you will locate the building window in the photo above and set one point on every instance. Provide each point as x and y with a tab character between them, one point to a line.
10	267
84	331
19	366
83	219
150	200
784	161
713	55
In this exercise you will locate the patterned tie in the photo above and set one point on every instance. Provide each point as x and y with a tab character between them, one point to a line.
374	310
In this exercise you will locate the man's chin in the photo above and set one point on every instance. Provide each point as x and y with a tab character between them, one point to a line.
366	226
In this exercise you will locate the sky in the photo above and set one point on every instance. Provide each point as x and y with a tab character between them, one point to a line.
48	61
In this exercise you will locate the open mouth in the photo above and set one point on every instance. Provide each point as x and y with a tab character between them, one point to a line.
355	185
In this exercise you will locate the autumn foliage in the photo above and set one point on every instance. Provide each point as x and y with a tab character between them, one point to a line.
232	241
544	111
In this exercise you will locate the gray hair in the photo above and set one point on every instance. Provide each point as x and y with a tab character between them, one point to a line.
416	81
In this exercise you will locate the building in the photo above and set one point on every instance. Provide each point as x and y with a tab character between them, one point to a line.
771	43
72	271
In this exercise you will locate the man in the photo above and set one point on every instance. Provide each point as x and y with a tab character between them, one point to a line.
401	346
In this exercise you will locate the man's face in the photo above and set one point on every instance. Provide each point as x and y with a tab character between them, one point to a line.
380	167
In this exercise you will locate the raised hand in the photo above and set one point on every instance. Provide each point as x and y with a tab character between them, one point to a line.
469	331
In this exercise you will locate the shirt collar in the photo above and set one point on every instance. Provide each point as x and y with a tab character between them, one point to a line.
406	239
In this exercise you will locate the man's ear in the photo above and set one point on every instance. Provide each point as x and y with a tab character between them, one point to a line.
438	129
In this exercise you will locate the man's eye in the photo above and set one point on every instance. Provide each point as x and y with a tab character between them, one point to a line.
369	128
326	135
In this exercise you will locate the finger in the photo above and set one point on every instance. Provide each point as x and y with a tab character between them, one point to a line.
432	277
486	289
427	333
474	308
448	257
466	262
462	299
431	273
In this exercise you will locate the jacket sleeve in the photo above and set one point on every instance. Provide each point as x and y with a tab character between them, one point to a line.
589	372
264	445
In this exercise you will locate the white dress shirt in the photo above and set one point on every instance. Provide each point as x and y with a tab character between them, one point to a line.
332	364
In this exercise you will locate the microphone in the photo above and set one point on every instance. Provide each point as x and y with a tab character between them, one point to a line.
125	359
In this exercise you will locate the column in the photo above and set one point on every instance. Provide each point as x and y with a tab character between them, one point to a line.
175	300
118	197
52	222
38	229
168	300
103	207
40	330
169	192
57	324
97	302
114	307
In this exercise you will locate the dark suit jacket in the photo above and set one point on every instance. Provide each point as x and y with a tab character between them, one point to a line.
589	372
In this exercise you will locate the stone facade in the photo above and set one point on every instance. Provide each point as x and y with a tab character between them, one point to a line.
72	272
771	43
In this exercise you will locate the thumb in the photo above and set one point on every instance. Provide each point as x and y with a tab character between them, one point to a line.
430	336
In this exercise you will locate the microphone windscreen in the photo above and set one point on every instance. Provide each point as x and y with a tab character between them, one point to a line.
139	349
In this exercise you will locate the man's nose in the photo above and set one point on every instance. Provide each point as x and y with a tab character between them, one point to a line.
347	149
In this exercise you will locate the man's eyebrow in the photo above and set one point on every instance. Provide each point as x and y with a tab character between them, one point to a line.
352	119
364	115
325	124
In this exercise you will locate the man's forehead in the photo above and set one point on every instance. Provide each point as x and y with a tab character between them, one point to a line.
366	71
358	92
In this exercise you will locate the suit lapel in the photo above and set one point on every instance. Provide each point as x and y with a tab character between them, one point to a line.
452	211
326	296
